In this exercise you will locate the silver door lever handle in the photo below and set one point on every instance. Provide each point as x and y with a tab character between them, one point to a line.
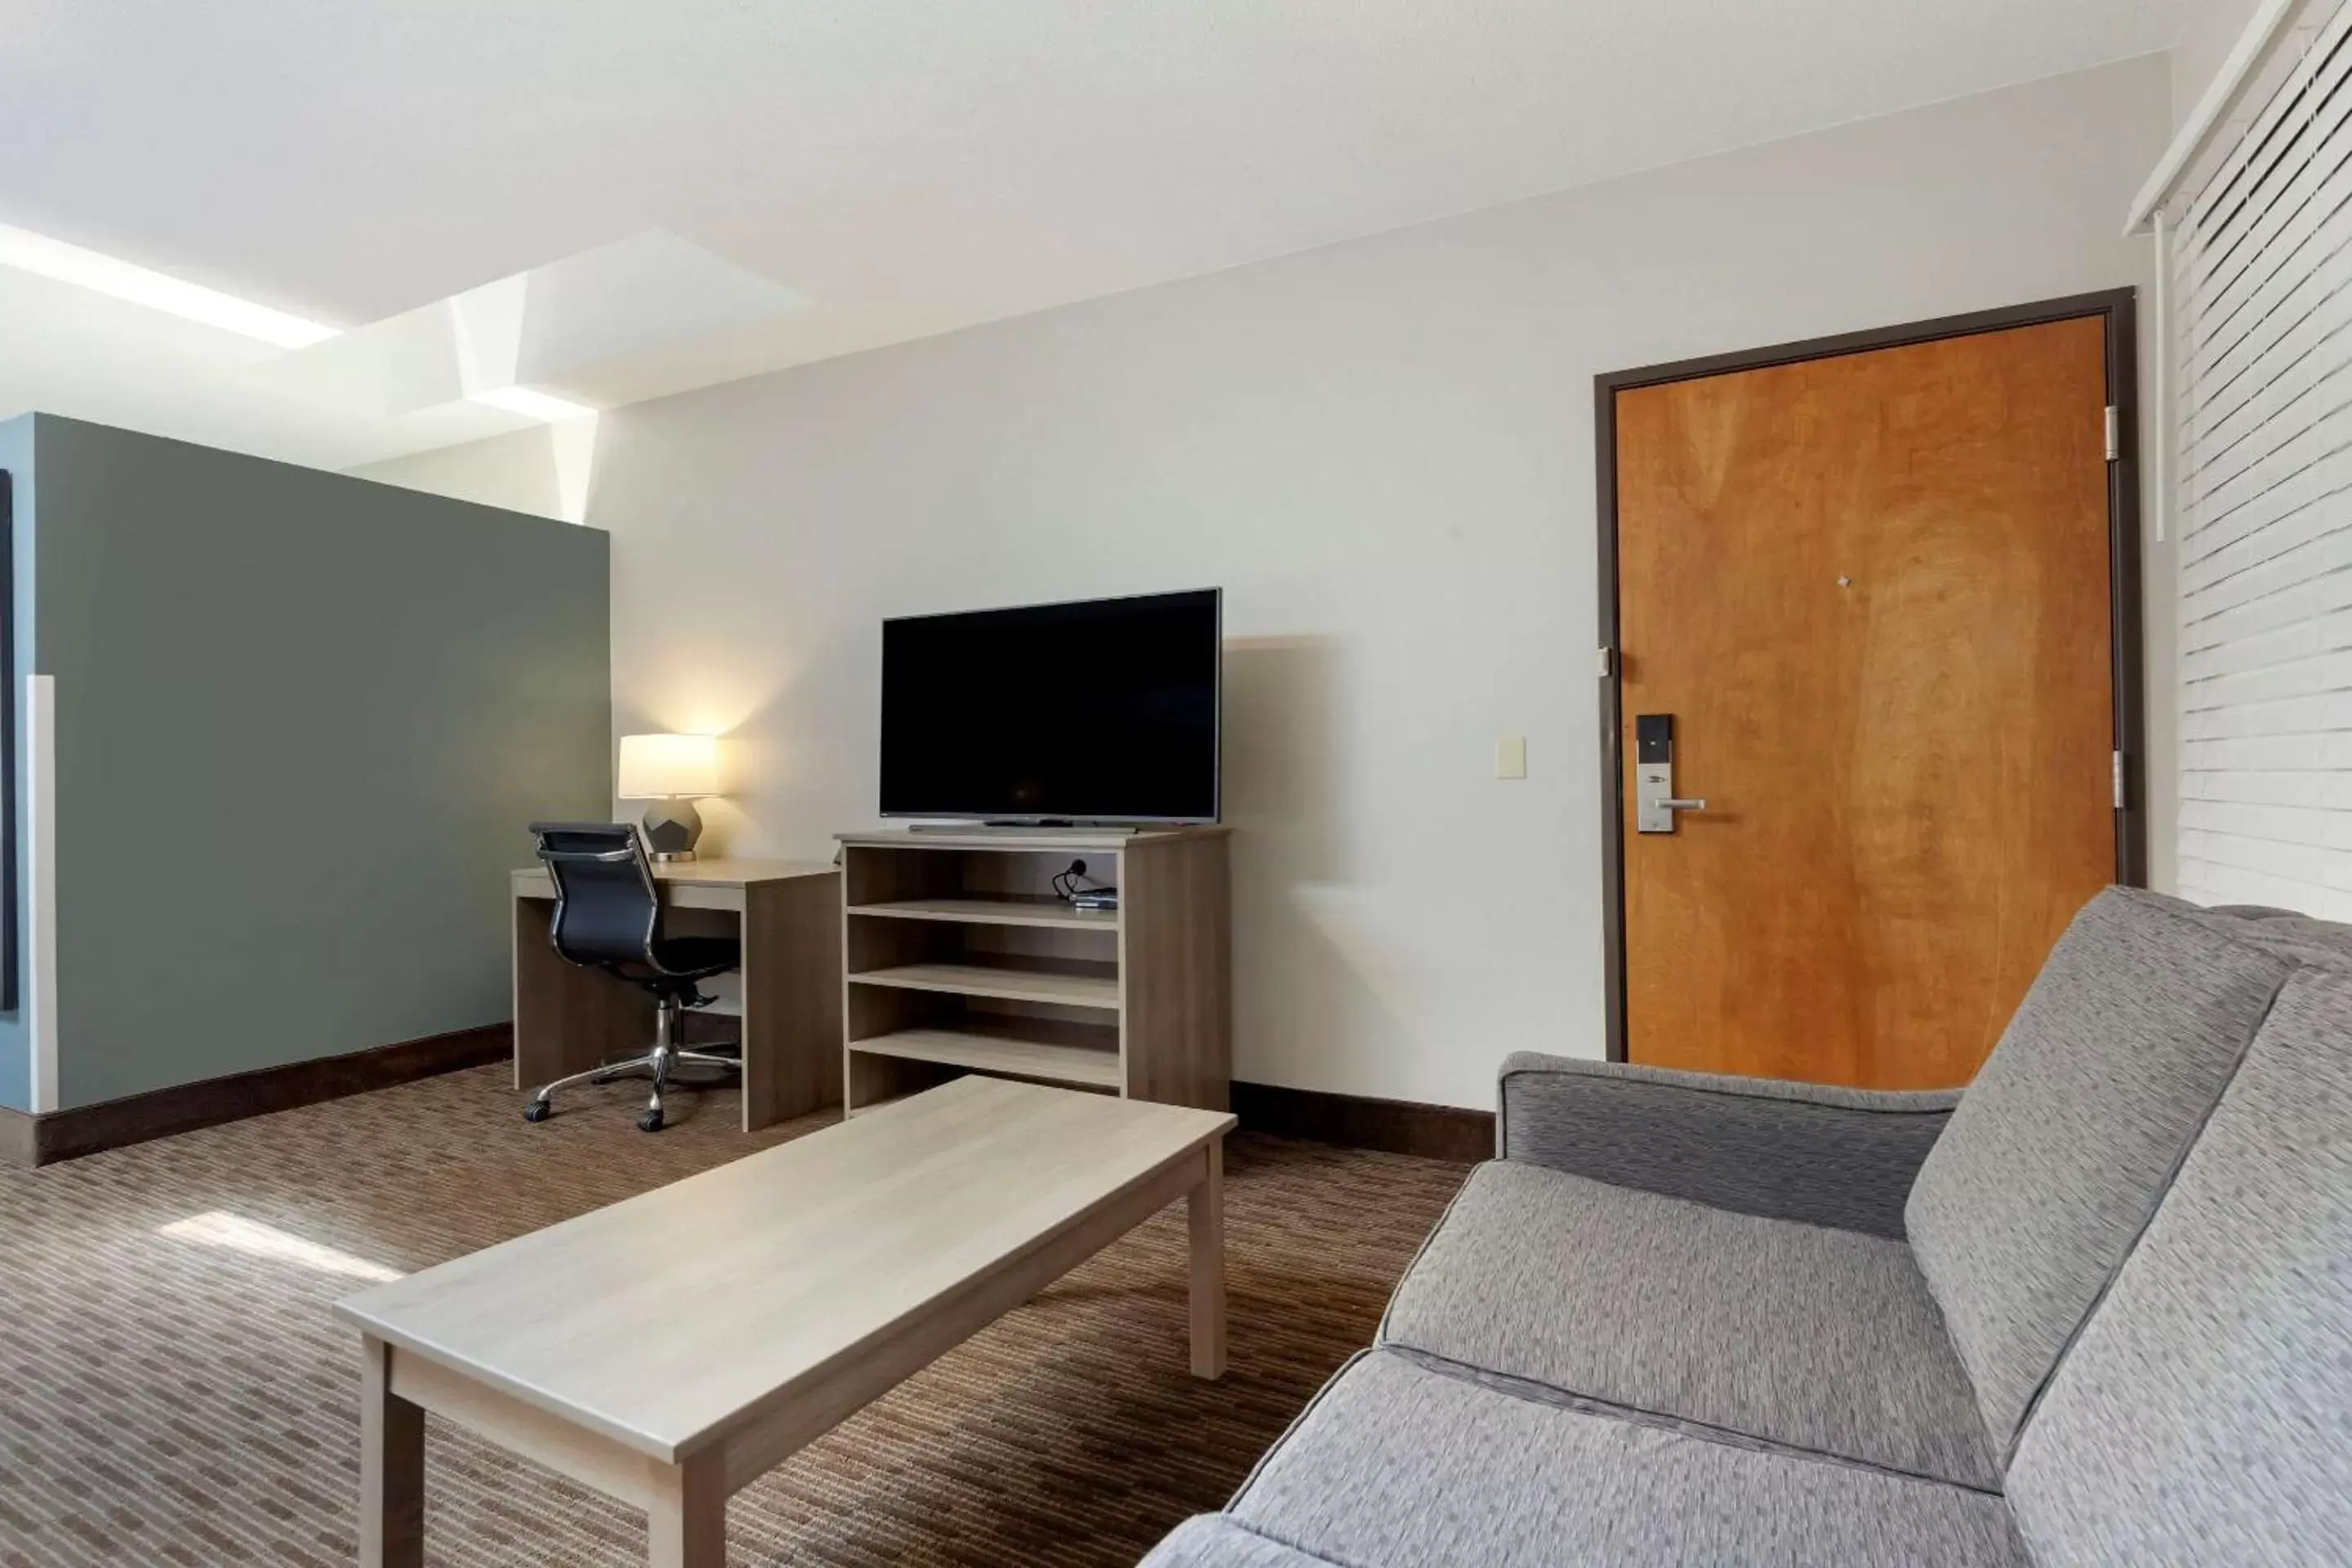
1654	800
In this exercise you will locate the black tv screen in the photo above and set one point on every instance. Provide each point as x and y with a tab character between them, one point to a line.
1100	710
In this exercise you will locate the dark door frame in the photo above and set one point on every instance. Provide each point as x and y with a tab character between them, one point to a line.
2118	307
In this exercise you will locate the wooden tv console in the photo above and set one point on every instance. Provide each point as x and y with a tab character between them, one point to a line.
958	957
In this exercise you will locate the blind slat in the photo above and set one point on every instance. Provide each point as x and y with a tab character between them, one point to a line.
2311	272
2234	258
2258	424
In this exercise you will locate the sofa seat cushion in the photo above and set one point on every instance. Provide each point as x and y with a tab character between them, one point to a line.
2066	1141
2205	1413
1397	1465
1821	1339
1212	1541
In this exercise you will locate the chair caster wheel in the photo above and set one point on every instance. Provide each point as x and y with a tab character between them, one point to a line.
651	1121
538	1110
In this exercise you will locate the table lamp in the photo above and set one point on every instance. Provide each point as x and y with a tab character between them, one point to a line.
671	772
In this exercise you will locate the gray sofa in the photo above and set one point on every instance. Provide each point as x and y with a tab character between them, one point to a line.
2096	1310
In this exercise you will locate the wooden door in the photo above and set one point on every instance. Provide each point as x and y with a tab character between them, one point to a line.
1873	590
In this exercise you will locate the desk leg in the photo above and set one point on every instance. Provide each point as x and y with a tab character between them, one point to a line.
685	1519
792	998
391	1466
1205	1209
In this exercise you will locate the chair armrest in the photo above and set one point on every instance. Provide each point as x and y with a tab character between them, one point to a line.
1816	1153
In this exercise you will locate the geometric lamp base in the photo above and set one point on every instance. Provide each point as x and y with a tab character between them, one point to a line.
671	828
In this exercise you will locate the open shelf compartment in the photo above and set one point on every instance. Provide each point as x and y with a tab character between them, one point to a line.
960	957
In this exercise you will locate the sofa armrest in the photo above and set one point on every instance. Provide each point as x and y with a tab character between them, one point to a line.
1816	1153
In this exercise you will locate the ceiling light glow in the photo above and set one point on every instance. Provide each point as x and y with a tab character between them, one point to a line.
38	253
531	405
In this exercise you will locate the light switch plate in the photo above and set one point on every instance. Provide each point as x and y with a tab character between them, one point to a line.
1511	757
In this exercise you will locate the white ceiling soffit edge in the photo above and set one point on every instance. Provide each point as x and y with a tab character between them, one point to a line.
522	342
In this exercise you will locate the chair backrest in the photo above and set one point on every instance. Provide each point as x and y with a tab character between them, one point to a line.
606	908
2201	1418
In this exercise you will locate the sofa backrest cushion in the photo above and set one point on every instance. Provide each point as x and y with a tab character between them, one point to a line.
2290	934
2204	1414
2061	1149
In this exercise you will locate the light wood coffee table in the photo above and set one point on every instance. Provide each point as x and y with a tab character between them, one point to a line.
675	1347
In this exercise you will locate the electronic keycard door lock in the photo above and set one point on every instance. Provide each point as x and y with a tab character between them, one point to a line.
1653	775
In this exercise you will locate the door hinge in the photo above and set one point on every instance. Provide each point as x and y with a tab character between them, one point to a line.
2115	433
1604	663
2119	781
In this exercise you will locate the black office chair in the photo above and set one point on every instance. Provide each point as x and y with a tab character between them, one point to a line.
608	916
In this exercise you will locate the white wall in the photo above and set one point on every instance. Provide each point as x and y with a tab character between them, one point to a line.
2209	30
1383	452
517	471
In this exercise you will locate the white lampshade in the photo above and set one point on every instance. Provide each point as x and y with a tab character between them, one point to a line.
665	767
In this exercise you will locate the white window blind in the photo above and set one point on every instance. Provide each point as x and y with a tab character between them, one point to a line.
2259	320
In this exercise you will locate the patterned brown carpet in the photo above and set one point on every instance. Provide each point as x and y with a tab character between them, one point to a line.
172	1390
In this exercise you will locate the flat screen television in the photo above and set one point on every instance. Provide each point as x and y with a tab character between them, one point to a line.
1098	711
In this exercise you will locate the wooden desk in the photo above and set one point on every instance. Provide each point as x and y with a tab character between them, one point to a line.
788	916
670	1350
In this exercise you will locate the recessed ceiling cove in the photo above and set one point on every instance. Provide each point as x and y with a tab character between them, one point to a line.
580	331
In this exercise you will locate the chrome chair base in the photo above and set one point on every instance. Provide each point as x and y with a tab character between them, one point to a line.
666	1054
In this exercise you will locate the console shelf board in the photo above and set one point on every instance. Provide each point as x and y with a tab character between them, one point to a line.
958	957
1003	985
1050	913
998	1054
1083	840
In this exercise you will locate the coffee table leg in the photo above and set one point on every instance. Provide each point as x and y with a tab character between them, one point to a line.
687	1520
1205	1208
391	1466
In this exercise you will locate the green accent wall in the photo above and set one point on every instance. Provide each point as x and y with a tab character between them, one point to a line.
302	721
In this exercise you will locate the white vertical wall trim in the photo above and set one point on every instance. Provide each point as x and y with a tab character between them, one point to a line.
41	885
2257	305
2159	488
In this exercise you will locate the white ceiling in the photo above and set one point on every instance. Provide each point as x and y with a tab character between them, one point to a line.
909	167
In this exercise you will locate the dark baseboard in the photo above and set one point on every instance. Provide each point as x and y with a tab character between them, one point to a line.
87	1129
1394	1126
